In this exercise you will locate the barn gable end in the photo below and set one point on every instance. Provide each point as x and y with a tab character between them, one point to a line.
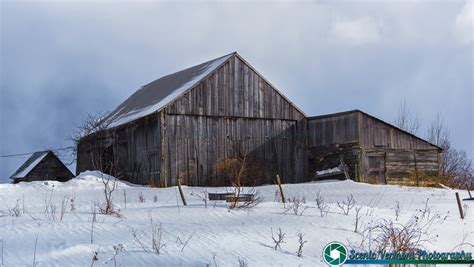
42	165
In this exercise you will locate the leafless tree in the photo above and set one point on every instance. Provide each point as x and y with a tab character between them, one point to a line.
90	123
278	239
456	169
347	204
301	243
406	119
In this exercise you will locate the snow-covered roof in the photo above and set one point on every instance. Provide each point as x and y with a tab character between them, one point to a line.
30	164
158	94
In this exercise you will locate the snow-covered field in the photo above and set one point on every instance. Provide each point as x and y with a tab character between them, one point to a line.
196	235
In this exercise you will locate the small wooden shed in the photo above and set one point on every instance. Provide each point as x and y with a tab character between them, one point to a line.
369	149
42	165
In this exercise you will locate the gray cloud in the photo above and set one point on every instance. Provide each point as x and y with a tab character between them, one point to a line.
60	60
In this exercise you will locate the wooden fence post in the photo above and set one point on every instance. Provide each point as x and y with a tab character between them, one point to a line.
181	192
459	205
281	189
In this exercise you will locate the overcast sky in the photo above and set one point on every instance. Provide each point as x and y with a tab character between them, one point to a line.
61	60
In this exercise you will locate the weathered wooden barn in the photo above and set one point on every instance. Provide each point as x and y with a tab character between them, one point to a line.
371	149
42	165
195	124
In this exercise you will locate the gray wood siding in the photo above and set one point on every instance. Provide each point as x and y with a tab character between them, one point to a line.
134	149
50	168
375	133
333	130
195	144
235	90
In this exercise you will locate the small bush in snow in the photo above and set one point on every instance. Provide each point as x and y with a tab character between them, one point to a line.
296	205
278	239
384	234
15	211
243	262
141	198
301	243
397	210
357	218
110	184
321	204
347	204
203	196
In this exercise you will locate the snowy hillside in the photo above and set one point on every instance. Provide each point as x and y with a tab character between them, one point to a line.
197	235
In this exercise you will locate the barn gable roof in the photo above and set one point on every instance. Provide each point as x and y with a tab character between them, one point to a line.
374	118
29	164
158	94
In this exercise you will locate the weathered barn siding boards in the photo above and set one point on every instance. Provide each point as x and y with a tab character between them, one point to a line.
375	133
373	150
232	113
235	90
134	149
330	137
195	145
333	130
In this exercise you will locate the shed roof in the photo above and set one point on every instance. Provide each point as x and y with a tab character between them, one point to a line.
158	94
29	164
373	117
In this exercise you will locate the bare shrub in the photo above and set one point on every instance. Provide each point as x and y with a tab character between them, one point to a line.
321	204
357	218
397	210
72	206
110	184
203	196
301	243
15	211
243	262
117	249
141	198
156	234
63	207
50	208
384	234
95	257
347	205
278	239
296	205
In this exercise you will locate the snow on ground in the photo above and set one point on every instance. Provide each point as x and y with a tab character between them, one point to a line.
219	236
